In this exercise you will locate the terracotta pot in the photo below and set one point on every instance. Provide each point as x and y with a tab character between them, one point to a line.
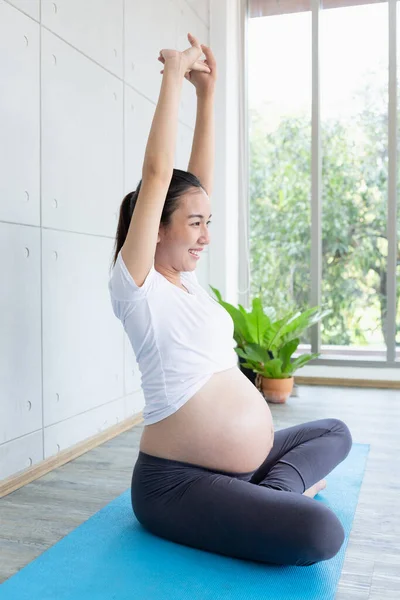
276	391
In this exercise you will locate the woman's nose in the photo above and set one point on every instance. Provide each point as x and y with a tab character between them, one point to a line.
206	237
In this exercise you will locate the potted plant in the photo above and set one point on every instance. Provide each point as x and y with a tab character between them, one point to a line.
265	345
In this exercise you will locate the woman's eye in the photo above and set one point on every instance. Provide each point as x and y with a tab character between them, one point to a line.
198	223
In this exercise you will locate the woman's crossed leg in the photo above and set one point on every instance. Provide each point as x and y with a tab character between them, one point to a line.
254	516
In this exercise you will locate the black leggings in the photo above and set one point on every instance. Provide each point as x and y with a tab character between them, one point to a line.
261	515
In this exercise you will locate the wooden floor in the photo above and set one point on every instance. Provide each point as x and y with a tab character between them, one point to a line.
36	516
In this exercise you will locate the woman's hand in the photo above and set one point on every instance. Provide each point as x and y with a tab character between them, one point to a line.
189	59
204	82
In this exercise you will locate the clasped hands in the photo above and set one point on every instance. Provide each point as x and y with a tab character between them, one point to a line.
201	73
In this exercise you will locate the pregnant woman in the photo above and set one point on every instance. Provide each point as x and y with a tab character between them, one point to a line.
210	473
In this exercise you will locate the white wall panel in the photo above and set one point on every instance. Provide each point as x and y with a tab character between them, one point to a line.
30	7
21	454
61	436
188	22
184	140
170	22
134	403
19	117
201	8
82	350
92	26
81	141
139	113
20	327
142	48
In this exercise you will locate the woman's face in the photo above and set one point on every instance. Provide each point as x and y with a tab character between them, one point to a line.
185	232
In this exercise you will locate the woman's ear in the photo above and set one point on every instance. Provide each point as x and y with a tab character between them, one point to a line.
160	232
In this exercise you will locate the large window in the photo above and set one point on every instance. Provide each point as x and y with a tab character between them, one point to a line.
319	172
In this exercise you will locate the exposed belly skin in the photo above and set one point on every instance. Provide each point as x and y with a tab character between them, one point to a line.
226	425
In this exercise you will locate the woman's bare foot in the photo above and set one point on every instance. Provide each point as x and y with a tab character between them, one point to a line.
314	489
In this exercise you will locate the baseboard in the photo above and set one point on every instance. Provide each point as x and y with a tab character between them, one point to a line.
14	482
343	382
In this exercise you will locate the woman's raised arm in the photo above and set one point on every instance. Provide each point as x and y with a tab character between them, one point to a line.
160	149
140	244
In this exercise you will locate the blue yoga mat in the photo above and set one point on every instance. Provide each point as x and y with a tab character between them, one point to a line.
112	557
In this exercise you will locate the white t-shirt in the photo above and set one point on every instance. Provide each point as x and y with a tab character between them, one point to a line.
180	339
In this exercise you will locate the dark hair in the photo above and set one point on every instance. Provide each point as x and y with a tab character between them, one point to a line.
181	182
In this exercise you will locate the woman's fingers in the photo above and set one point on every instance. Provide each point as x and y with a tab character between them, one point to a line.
209	56
197	66
200	65
201	69
192	54
193	69
193	40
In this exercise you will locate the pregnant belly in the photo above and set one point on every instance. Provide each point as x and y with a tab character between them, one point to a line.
227	425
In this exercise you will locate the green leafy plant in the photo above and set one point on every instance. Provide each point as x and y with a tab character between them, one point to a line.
267	344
